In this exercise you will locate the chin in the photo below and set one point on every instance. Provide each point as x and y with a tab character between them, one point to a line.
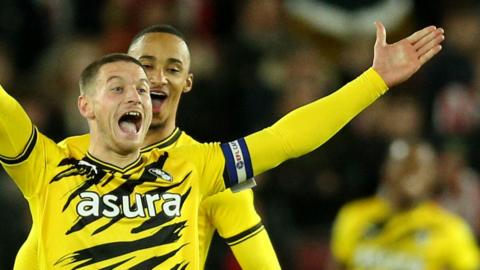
129	144
129	148
157	123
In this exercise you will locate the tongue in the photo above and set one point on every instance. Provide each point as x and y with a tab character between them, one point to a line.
156	105
128	127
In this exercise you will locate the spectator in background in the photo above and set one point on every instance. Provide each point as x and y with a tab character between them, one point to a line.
402	227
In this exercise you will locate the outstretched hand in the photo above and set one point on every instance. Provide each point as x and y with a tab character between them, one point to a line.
396	62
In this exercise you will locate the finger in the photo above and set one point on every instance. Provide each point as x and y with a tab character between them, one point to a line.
430	54
426	39
413	38
381	34
431	44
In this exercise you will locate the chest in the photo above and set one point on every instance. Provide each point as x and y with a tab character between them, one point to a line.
399	244
105	214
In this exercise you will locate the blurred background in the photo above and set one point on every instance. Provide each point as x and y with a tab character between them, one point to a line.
253	61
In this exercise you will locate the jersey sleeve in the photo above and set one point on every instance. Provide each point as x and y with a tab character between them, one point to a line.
24	152
464	252
256	252
308	127
344	234
299	132
16	130
233	215
235	218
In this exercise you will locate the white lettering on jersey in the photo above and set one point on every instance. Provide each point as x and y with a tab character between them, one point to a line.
113	205
172	204
112	209
239	159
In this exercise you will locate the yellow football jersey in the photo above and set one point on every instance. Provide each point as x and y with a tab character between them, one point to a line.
367	235
233	214
89	214
94	215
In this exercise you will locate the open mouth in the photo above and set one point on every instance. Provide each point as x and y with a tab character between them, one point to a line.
157	100
130	122
158	96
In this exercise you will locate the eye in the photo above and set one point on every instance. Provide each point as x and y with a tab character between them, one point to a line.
142	90
173	70
117	89
147	66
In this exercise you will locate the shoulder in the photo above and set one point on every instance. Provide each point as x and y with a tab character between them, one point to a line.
186	139
444	218
357	214
194	147
76	144
370	205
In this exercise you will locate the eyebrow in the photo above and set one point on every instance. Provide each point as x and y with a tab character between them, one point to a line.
120	78
153	58
174	60
147	57
113	78
147	82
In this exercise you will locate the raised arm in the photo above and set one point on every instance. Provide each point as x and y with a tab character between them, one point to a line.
24	152
16	128
308	127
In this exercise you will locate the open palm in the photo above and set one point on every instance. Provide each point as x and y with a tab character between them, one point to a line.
398	61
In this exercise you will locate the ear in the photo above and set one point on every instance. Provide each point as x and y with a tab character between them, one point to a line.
85	107
189	83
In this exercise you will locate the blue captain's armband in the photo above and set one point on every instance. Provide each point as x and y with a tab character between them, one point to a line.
238	165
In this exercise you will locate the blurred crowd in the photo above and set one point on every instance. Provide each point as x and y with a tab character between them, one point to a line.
253	61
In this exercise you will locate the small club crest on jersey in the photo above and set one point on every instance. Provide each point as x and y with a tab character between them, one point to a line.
160	174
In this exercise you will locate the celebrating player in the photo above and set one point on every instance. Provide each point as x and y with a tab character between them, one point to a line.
165	56
402	227
116	208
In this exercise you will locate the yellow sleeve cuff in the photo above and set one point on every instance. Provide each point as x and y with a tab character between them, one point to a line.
376	79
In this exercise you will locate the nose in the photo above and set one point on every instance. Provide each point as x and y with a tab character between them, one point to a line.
157	77
133	96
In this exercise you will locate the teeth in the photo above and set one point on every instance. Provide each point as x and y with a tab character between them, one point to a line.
133	113
157	94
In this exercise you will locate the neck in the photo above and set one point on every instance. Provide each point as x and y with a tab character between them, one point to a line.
112	156
401	203
158	133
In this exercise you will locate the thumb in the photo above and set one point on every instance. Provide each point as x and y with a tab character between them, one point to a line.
381	34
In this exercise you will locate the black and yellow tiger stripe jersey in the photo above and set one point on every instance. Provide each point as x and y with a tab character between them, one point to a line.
368	235
89	214
232	214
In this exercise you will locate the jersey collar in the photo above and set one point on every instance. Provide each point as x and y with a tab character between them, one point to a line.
171	139
108	166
